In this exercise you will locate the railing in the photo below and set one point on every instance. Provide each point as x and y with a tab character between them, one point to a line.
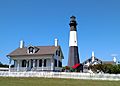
22	69
4	69
62	75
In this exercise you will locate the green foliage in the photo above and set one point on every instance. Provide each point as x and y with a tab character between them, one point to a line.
4	65
66	69
70	69
105	68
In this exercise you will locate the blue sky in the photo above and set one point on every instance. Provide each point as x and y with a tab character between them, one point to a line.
38	22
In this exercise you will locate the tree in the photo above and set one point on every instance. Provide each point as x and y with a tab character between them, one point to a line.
3	65
105	68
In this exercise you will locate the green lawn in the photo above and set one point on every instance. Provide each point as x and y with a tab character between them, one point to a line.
54	82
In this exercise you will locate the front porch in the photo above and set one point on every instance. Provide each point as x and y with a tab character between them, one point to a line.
22	65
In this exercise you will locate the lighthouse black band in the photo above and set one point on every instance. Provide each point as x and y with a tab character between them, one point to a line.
73	56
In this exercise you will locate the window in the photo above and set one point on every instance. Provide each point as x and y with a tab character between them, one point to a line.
58	52
40	63
27	63
35	62
44	62
60	64
31	50
55	63
23	63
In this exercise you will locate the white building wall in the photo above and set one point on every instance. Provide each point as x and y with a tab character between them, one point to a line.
49	61
73	38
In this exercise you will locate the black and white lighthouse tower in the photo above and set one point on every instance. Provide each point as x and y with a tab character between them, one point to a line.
73	58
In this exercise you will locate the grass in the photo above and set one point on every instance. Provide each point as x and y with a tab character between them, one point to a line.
7	81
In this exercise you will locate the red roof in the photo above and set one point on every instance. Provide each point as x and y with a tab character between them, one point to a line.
75	66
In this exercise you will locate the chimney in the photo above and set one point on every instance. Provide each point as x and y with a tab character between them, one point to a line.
56	42
93	56
21	44
114	59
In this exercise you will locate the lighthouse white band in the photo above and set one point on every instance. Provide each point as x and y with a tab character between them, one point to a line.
73	38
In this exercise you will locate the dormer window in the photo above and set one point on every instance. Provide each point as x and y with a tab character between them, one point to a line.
32	50
58	52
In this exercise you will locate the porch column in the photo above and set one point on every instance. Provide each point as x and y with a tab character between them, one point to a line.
33	63
10	64
42	64
18	65
15	64
52	64
26	65
37	62
29	64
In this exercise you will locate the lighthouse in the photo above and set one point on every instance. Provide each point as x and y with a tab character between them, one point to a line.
73	57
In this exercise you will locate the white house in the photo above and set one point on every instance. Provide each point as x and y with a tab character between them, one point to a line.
94	61
36	58
91	61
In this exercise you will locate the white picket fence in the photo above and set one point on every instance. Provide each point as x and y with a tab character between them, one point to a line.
70	75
